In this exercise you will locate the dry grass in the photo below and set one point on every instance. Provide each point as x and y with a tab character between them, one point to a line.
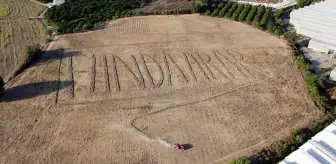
17	33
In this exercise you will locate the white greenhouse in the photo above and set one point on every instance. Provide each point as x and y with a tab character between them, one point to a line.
318	22
56	3
321	149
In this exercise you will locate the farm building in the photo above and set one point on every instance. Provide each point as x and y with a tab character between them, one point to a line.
318	22
321	149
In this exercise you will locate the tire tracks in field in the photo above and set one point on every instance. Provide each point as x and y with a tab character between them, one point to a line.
137	129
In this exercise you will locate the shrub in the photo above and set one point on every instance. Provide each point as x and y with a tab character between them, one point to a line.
239	160
236	14
231	10
270	26
221	5
291	37
194	6
251	14
277	32
215	13
278	13
313	83
265	17
257	18
243	14
225	9
207	12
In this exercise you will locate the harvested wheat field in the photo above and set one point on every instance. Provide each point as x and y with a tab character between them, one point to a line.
127	92
17	32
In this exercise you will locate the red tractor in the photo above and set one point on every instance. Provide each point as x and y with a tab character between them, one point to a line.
179	146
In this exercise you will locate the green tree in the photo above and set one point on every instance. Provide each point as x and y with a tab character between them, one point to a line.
243	14
239	160
208	12
291	37
225	9
221	5
258	17
270	26
277	32
240	8
265	17
215	13
278	13
251	14
231	10
72	12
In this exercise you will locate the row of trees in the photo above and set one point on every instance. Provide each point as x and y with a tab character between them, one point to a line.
81	15
302	3
82	19
259	16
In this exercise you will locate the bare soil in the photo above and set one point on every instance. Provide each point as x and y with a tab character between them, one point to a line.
124	93
18	32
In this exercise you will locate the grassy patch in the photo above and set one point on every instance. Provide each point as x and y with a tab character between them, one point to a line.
239	160
3	36
4	12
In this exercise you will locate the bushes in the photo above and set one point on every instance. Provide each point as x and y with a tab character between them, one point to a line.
231	10
251	14
265	18
239	160
243	14
291	37
236	14
302	3
270	26
225	9
208	12
215	13
313	83
258	17
81	15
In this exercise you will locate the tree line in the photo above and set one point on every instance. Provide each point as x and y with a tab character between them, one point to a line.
81	15
264	18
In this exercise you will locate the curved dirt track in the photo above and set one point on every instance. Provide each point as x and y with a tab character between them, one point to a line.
108	96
